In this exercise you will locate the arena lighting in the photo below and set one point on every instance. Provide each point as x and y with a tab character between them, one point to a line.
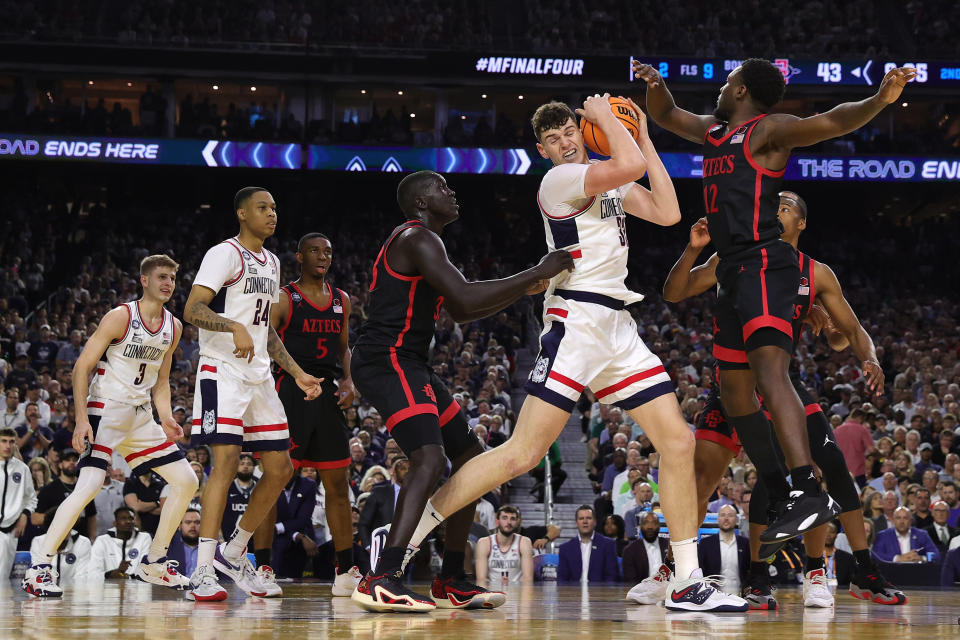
483	95
519	97
413	115
216	87
904	104
253	88
89	81
363	91
129	84
399	93
463	117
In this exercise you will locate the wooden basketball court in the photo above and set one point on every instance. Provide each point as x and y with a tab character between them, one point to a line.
138	610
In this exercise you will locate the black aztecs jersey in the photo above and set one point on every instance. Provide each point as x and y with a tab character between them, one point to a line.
312	334
403	309
739	195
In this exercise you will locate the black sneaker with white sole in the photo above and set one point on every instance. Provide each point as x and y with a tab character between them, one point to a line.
801	513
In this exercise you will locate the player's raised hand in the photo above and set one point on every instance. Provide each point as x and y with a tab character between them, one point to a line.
171	429
699	234
346	392
641	118
310	386
555	262
874	373
596	107
646	73
243	343
81	432
893	83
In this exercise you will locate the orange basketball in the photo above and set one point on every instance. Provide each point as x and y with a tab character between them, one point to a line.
594	138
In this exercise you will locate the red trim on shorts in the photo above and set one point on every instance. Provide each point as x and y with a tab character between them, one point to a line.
761	322
403	378
576	254
127	330
409	315
569	215
450	413
321	466
94	405
260	428
236	422
729	355
208	367
626	382
727	442
573	384
556	311
409	412
811	409
139	454
103	449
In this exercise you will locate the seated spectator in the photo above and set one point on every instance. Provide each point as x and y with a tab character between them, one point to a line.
143	494
108	499
238	495
35	396
118	552
926	457
506	556
557	474
358	464
939	530
72	563
889	503
904	543
378	509
373	476
34	436
40	472
54	493
43	352
725	496
949	494
22	373
643	497
204	457
725	553
201	483
613	527
67	354
920	507
839	564
184	544
293	541
588	557
643	557
618	464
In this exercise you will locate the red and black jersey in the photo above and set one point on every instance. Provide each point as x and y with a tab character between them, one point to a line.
740	196
403	309
805	296
311	334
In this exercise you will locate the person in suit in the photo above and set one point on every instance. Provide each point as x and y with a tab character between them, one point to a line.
839	564
725	553
950	573
644	556
889	503
378	509
293	541
589	557
904	543
183	545
940	531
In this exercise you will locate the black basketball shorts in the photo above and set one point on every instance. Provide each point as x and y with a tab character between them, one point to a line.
319	437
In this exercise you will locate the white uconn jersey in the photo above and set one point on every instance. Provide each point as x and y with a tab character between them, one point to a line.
129	367
504	566
593	229
245	284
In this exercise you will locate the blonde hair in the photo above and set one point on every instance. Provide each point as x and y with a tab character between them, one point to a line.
148	264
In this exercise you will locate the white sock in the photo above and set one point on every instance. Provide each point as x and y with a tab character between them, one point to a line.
428	522
157	551
205	551
237	546
685	557
41	558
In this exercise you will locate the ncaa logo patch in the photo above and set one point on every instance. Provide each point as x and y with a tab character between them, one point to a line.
209	424
295	296
539	373
70	558
135	324
16	477
245	254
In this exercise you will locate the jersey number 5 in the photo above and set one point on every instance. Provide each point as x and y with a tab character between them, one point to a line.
262	313
321	348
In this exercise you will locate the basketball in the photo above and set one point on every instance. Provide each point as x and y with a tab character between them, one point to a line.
594	138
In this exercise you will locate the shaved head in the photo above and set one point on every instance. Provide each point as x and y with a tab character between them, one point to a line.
411	188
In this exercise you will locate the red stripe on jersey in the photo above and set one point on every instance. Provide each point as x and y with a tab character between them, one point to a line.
127	330
243	265
310	302
626	382
94	405
143	321
730	131
812	265
146	452
208	367
757	191
569	215
101	372
286	324
562	313
409	316
811	409
573	384
239	246
753	163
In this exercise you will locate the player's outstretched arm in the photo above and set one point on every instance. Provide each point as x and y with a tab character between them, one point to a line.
664	110
626	162
112	327
658	204
845	320
784	132
197	312
161	390
685	280
468	301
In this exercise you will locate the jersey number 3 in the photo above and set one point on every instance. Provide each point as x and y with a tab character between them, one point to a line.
141	374
262	314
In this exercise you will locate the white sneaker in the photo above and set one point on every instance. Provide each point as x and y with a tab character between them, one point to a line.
162	572
652	590
40	581
241	572
698	593
204	586
345	583
269	581
816	593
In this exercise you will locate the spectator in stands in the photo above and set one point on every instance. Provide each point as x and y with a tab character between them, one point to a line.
117	553
558	475
838	563
22	373
855	442
40	472
644	556
725	496
643	498
725	553
889	504
43	352
11	418
33	437
53	494
238	495
945	441
939	530
67	354
904	543
949	494
183	545
293	541
143	495
358	464
926	457
506	556
613	528
108	499
590	556
373	476
378	509
921	507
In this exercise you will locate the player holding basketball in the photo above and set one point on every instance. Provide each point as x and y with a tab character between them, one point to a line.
717	441
311	320
412	278
235	404
745	152
590	339
132	363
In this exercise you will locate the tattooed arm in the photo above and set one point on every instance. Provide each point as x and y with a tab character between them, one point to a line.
197	312
278	353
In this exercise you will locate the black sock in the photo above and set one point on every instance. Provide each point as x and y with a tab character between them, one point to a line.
452	564
391	559
759	573
804	480
262	556
813	563
344	560
864	560
756	434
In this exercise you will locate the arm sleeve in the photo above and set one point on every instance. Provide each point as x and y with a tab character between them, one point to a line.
561	192
220	265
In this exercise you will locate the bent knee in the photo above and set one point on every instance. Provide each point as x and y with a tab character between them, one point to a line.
279	471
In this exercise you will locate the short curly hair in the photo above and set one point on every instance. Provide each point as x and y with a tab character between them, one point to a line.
764	81
551	115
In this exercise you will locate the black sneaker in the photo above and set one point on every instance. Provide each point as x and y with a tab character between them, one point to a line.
872	586
385	592
760	597
802	513
457	593
770	549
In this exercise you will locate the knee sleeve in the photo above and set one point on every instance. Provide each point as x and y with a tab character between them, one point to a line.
828	456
